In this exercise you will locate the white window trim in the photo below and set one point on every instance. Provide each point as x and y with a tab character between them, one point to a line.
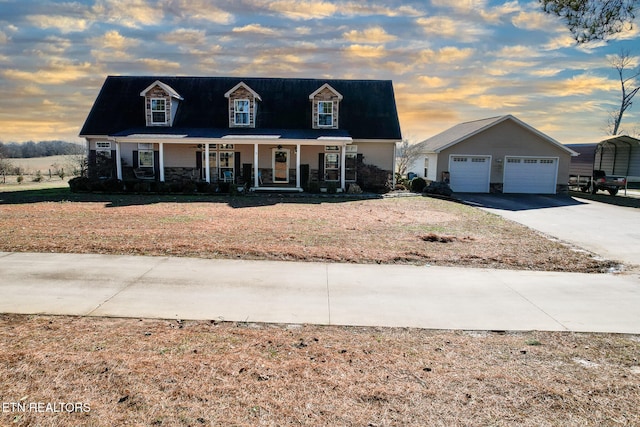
337	168
326	114
140	158
228	155
103	146
248	112
164	100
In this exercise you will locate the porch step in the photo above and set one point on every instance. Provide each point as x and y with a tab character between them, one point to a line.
277	189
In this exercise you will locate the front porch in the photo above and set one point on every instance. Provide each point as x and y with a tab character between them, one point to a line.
256	165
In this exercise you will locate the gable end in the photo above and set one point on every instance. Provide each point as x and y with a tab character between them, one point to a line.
243	106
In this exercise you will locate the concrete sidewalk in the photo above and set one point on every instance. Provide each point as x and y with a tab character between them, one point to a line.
320	293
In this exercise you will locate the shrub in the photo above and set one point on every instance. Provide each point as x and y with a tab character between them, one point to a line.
203	187
130	185
113	185
354	189
189	187
314	187
332	187
160	187
19	179
441	188
224	187
372	178
38	177
79	183
418	184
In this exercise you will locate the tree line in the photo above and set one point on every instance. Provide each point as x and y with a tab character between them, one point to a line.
30	149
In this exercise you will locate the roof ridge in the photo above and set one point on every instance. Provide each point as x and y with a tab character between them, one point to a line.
485	119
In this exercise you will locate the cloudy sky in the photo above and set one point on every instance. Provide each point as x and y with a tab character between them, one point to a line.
450	60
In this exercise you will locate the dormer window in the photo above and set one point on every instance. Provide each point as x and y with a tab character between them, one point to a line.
161	104
158	111
241	112
325	102
325	113
243	106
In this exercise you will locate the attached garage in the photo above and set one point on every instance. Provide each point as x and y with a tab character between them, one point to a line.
530	175
470	174
498	154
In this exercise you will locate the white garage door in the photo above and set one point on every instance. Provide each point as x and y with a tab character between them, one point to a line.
530	175
470	174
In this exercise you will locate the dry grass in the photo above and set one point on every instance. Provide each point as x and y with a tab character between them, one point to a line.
144	372
413	230
168	373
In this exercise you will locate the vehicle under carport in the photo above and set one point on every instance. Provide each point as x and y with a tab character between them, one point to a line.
615	156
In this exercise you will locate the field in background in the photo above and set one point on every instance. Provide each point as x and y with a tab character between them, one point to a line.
49	168
43	164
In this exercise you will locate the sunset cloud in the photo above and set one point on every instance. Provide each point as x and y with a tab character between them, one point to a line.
447	27
54	73
583	84
255	29
64	24
373	35
449	60
303	9
365	51
129	13
184	36
200	10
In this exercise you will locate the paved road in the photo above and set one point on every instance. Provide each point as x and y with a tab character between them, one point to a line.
321	293
610	231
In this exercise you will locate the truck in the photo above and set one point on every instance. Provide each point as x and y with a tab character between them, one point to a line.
598	181
588	172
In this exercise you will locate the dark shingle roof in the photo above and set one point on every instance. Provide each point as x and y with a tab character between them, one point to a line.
368	109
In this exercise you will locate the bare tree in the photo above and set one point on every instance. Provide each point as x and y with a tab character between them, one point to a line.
622	62
6	167
590	20
407	153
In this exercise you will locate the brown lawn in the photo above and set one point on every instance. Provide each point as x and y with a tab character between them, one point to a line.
168	373
173	373
415	230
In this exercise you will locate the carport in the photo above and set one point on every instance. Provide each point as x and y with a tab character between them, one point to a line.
616	155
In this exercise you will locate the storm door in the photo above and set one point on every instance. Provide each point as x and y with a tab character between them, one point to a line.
280	165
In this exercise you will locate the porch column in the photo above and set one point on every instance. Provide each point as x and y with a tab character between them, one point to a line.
298	165
255	165
343	165
161	153
207	169
118	162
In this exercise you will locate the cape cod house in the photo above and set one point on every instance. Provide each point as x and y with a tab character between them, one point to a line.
261	132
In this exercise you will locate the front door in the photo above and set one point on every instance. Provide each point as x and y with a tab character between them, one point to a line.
280	165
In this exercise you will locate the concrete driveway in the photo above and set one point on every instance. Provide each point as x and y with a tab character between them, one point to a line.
605	229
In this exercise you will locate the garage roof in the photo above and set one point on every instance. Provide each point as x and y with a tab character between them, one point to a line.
463	131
